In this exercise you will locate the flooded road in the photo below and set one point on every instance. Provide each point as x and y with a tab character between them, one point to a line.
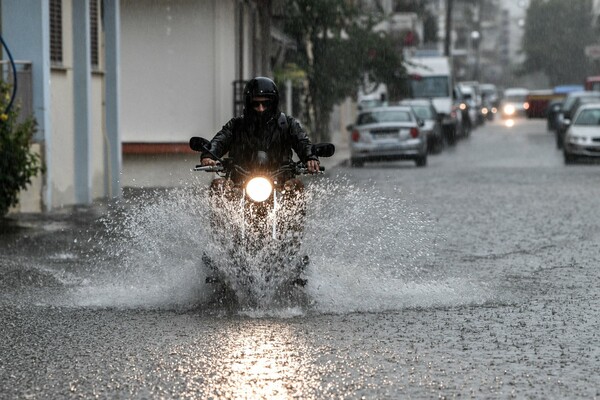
474	277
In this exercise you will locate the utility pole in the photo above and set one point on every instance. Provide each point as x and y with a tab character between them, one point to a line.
448	38
264	17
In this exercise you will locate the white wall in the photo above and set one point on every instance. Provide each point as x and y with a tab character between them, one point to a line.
63	128
178	62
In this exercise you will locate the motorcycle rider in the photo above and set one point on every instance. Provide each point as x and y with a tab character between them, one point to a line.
262	127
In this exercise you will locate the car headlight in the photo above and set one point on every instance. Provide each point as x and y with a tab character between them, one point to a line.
259	189
576	139
509	109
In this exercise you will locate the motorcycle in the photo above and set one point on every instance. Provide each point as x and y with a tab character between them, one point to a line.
257	219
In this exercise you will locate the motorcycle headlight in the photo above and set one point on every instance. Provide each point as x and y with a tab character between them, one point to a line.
259	189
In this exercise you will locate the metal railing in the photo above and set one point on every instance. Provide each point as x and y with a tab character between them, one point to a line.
24	95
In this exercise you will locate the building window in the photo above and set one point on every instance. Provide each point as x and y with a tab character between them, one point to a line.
56	48
94	47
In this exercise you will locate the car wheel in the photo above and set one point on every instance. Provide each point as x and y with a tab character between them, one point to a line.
356	163
569	158
559	144
438	145
421	161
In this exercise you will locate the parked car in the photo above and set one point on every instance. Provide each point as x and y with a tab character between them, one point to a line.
568	110
489	92
387	133
467	107
582	138
514	103
552	114
476	100
432	127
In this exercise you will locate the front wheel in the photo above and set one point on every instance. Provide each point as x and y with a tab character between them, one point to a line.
559	143
569	158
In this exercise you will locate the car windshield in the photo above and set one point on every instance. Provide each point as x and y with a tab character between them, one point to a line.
423	112
370	103
590	117
570	101
384	116
430	86
515	98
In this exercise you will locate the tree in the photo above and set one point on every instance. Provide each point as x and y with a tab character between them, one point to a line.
556	33
336	49
17	163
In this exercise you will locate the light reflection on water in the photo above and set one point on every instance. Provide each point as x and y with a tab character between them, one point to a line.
368	252
260	361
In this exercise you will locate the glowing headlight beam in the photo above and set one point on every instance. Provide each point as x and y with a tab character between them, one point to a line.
509	109
259	189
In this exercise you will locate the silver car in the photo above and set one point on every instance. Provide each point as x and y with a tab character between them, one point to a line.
432	127
582	138
387	133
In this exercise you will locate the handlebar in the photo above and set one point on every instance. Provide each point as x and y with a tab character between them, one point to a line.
298	169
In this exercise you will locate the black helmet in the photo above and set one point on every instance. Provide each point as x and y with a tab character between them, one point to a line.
261	87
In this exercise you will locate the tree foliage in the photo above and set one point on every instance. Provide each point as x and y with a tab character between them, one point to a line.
18	164
556	33
337	49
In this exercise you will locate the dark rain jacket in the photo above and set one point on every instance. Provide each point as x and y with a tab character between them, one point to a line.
242	141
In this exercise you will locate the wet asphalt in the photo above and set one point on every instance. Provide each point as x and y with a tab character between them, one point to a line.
473	277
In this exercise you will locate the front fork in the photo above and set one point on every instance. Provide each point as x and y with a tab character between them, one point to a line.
271	216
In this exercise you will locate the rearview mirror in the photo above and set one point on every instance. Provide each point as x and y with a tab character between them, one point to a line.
323	149
199	144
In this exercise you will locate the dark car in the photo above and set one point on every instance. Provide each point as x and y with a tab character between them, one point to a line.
568	110
432	126
552	114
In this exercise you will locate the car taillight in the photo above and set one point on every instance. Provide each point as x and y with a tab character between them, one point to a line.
355	136
526	105
414	132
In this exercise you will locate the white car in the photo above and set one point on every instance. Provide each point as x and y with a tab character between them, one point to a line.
582	138
387	133
514	103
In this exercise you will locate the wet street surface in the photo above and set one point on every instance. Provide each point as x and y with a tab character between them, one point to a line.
474	277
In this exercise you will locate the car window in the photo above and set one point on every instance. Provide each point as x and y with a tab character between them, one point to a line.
516	98
589	117
430	86
423	112
384	116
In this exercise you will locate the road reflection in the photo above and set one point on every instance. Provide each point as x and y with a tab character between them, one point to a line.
260	359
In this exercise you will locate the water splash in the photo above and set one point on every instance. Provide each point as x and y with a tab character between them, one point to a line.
368	251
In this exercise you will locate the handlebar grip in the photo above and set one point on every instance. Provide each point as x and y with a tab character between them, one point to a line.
208	168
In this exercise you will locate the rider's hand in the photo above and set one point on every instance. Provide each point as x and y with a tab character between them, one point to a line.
208	162
312	166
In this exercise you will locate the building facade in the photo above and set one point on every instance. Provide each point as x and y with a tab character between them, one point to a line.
119	87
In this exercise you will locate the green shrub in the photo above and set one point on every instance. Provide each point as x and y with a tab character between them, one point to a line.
18	164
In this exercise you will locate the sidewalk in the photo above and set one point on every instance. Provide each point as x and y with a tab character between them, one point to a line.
342	151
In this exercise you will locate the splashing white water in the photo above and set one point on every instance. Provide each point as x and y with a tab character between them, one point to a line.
367	251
